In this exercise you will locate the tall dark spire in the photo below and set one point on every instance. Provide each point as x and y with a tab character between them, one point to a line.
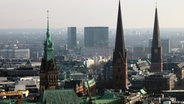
156	32
120	69
120	44
156	50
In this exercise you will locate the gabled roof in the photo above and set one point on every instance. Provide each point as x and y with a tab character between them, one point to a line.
29	63
60	97
109	95
108	98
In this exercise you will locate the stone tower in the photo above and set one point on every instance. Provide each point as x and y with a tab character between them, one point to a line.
48	71
120	69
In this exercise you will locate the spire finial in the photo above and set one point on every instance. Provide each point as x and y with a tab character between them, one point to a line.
47	19
155	3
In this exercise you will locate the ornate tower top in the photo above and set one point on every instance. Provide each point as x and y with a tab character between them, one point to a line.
156	32
120	44
48	70
48	44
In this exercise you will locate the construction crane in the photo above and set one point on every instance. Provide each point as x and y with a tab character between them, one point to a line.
19	94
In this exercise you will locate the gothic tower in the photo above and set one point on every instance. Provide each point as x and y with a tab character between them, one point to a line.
156	50
48	71
120	69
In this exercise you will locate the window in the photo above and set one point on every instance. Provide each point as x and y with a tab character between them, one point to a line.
117	77
119	70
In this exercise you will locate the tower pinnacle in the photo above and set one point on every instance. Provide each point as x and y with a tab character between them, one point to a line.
156	32
120	44
48	44
48	34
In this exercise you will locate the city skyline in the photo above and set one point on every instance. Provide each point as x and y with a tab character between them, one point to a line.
80	13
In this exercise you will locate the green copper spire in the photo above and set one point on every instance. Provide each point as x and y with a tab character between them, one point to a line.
48	34
48	45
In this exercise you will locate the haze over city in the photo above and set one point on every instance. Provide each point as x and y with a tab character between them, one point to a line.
80	13
91	52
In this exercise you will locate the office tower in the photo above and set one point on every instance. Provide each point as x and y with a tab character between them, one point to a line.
48	71
120	69
96	36
166	45
156	50
72	41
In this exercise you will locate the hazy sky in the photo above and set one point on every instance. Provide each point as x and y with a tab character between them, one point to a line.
64	13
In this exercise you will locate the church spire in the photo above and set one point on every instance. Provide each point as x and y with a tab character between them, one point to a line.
120	69
156	32
156	50
120	44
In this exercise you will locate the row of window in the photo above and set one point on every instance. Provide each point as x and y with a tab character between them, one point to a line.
52	77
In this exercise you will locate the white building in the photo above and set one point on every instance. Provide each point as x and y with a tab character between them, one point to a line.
88	62
15	53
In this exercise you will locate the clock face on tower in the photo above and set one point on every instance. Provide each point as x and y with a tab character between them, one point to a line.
155	50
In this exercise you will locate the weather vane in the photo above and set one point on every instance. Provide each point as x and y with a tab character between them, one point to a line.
47	19
47	13
155	3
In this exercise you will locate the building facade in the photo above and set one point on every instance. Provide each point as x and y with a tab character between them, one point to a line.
157	82
72	37
96	36
15	53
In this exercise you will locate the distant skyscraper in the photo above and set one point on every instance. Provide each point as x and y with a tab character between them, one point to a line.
72	37
48	71
120	69
96	36
166	46
156	50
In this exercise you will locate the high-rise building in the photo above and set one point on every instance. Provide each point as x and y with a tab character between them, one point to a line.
156	50
96	36
72	37
48	71
120	67
166	46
